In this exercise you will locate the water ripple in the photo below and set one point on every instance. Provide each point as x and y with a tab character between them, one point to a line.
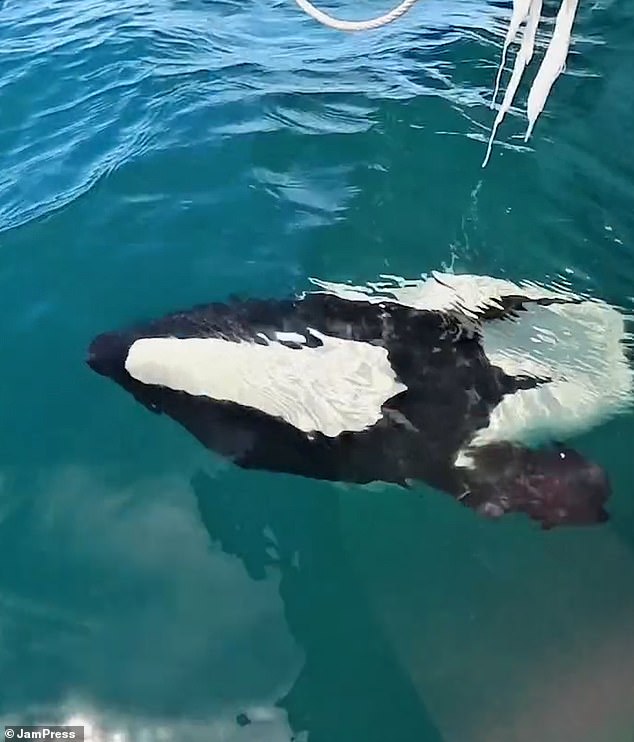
93	85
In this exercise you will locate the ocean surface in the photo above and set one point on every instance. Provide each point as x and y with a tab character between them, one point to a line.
156	154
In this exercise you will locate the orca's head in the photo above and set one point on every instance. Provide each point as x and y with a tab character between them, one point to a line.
107	354
555	486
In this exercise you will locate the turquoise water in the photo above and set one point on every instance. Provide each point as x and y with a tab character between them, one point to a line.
160	153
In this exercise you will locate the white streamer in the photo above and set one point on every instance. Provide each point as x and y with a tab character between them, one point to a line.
524	11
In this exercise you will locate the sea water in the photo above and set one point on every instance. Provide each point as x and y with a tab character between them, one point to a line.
162	153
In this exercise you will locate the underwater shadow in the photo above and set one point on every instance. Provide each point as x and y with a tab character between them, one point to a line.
351	686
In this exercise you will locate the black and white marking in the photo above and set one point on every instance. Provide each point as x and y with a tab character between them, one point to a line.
444	381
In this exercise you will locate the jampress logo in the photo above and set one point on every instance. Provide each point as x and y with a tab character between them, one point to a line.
15	732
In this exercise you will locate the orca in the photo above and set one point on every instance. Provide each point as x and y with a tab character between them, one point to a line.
462	382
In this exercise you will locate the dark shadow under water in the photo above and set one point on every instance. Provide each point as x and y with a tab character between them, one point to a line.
351	687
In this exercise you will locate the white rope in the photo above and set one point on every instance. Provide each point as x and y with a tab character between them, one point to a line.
340	25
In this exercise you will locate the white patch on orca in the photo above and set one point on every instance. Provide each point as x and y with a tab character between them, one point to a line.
336	387
290	337
578	346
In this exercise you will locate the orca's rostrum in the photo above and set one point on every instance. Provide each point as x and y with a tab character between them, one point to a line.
454	381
